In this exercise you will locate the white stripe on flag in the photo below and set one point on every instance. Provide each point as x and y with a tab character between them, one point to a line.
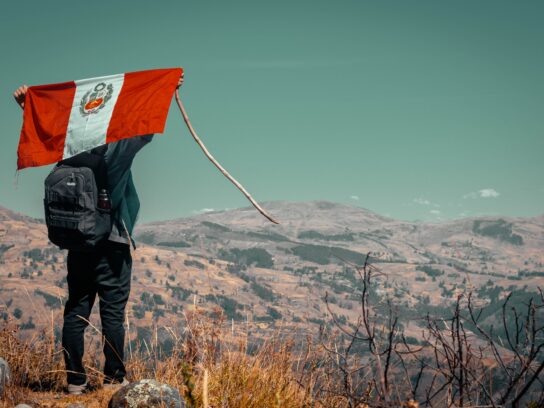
91	112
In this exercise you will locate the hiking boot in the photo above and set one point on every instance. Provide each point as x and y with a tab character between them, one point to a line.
115	385
74	389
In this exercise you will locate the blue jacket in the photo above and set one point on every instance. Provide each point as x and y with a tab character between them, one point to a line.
123	195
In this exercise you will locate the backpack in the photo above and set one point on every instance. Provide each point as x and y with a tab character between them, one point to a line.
73	218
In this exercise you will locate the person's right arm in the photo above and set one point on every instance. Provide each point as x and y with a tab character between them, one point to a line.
120	155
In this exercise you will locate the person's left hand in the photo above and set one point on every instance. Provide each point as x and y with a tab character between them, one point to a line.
180	82
20	94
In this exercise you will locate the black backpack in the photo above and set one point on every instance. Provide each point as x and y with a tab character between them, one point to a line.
73	218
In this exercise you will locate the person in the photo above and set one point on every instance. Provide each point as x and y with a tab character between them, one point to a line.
105	271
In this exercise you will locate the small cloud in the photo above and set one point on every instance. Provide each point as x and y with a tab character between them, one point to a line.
489	193
354	197
483	193
203	210
435	212
424	201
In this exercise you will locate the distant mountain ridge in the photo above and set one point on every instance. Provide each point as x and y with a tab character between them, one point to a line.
288	210
349	226
269	274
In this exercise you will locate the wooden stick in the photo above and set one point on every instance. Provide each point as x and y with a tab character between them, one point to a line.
216	163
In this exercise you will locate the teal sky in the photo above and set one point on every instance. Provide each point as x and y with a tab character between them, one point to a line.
413	109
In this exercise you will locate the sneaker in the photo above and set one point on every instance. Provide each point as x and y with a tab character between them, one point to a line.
115	385
74	389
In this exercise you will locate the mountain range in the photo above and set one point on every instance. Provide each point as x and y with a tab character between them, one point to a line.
268	277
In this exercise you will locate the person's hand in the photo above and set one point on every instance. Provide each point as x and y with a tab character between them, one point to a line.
180	82
20	94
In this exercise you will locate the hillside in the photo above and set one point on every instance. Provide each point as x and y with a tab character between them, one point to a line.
267	277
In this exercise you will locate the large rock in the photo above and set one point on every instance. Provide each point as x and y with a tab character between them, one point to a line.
5	375
23	406
146	393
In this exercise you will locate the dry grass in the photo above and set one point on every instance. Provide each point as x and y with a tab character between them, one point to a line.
265	380
207	365
35	362
213	366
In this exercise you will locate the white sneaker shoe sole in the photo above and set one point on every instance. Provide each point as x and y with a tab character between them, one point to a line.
77	389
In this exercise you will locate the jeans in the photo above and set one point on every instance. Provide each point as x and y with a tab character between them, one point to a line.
106	272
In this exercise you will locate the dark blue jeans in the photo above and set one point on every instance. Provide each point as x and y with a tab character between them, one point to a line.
105	272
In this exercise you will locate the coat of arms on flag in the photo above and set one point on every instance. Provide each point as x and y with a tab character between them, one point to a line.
95	99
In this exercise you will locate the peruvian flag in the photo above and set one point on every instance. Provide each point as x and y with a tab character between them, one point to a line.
62	120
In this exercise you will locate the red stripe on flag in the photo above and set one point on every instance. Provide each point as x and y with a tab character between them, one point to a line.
142	105
45	120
